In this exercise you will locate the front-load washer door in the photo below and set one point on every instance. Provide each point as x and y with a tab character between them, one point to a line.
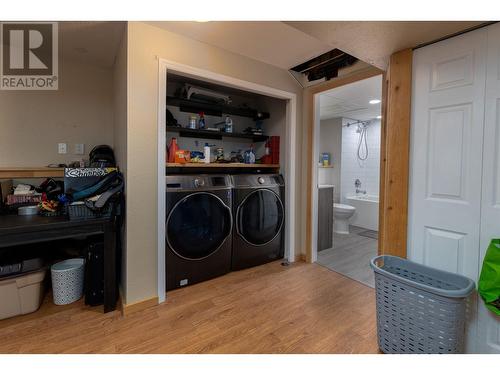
260	217
198	225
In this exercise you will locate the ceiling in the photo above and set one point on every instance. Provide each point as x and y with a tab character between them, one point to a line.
271	42
286	44
94	43
373	42
282	44
352	101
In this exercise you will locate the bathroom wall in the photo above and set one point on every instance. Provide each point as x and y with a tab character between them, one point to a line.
367	171
331	141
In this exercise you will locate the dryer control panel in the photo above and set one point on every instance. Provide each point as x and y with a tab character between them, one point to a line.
198	182
258	180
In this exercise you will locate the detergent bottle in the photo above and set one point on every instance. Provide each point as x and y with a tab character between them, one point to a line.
172	150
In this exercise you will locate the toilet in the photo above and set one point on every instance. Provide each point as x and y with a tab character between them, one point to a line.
342	214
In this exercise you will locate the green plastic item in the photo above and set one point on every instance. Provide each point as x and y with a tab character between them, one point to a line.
489	280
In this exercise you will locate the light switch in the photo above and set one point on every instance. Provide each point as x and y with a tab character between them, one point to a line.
79	148
62	148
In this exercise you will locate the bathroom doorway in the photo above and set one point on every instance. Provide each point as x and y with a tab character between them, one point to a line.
348	177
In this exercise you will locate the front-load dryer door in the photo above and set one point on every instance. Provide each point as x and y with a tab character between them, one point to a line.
198	225
260	217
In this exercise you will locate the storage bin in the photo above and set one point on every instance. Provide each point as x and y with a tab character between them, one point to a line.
81	212
67	280
21	294
28	199
419	309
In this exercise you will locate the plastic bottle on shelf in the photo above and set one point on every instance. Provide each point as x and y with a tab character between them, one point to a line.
172	149
201	121
252	154
229	125
192	122
206	153
266	159
249	156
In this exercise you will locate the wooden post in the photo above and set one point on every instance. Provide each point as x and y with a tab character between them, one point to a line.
395	150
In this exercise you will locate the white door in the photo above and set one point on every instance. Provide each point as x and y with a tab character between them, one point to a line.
488	323
446	157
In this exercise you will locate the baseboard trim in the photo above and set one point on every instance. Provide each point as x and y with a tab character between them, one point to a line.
139	306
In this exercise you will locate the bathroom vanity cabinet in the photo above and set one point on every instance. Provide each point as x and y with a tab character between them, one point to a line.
325	217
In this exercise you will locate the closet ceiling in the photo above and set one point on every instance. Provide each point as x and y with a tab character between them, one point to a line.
352	101
286	44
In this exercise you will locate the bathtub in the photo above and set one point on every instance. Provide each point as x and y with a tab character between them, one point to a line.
366	215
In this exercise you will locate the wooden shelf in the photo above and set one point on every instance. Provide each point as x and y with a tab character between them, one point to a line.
40	172
212	134
221	165
193	106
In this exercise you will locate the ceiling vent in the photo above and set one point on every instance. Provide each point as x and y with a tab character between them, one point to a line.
323	67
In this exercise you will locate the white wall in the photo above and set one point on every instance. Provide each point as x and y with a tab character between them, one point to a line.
32	123
146	44
228	144
330	140
120	132
275	126
368	171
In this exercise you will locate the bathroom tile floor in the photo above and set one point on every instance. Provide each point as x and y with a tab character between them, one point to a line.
351	255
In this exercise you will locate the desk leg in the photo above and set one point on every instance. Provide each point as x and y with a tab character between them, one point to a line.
110	287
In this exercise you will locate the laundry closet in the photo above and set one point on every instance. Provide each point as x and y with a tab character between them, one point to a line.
225	183
454	196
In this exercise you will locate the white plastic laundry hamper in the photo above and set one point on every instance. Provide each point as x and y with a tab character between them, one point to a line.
67	280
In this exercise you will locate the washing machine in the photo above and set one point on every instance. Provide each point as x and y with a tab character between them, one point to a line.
198	228
259	219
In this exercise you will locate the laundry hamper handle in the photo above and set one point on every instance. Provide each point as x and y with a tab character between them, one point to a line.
458	293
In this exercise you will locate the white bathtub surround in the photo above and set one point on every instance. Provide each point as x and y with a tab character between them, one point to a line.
367	171
366	214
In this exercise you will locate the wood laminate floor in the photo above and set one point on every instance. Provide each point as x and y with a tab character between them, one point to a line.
351	255
302	308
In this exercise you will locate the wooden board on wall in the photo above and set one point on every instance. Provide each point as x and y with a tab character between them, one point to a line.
395	150
38	172
383	138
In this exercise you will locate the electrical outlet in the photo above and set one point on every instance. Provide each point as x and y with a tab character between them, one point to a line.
62	148
79	148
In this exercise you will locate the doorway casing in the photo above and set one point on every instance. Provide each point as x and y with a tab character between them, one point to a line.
312	99
166	66
394	153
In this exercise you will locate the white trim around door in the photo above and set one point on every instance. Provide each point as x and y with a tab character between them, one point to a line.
165	66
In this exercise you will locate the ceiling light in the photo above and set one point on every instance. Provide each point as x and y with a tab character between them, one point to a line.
374	101
379	117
